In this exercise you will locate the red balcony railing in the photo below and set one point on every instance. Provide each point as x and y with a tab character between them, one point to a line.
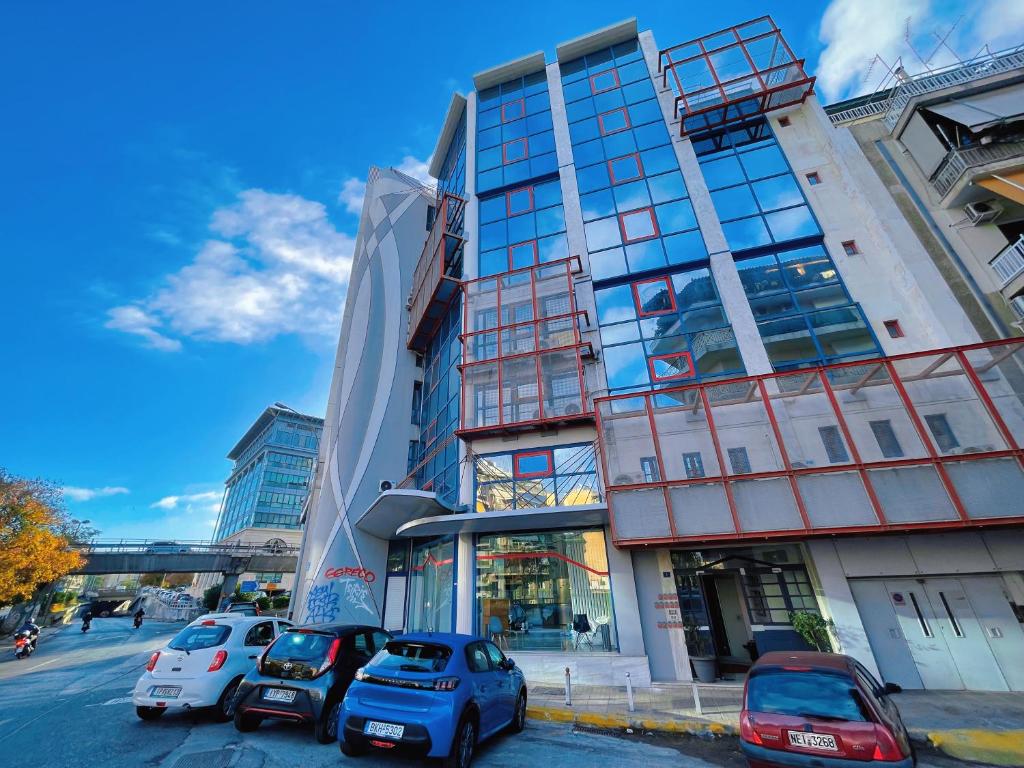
522	362
732	75
436	279
925	440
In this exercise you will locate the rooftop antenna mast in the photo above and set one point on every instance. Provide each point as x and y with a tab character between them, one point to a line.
943	41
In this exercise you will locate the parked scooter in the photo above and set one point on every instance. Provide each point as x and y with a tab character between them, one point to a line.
86	621
23	645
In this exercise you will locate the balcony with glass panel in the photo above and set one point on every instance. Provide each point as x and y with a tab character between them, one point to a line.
928	440
435	282
523	351
733	75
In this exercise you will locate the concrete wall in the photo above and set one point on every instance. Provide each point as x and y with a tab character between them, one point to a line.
368	426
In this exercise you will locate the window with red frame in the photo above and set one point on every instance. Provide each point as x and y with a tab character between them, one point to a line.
675	365
519	201
522	254
894	329
604	81
513	151
532	464
654	297
638	225
513	110
623	169
614	121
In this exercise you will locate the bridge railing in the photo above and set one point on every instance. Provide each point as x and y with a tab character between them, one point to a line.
156	547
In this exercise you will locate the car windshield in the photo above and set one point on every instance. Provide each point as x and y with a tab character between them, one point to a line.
197	638
805	694
412	657
307	647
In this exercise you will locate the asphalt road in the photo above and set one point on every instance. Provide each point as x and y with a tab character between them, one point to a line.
69	705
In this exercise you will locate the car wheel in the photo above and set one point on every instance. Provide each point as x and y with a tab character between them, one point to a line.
352	750
246	723
519	715
463	745
327	725
222	709
149	713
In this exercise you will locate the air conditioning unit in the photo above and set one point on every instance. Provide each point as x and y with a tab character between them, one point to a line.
385	485
979	213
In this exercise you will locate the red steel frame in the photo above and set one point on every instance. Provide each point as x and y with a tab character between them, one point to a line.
654	377
664	280
603	115
578	345
504	151
649	210
857	464
639	168
613	72
546	453
430	283
666	64
521	102
508	200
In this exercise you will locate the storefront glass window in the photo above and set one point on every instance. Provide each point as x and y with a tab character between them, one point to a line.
431	585
545	591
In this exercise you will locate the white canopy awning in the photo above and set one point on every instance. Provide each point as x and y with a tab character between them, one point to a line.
985	109
580	516
393	509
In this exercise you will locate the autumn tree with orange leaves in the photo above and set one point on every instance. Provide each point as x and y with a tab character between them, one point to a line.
34	537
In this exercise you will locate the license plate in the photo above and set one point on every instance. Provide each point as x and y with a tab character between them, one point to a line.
166	692
813	740
279	694
373	728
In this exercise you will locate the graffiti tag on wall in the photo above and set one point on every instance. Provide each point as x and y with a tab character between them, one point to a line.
359	573
322	604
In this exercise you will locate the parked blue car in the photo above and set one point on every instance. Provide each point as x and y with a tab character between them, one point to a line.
434	695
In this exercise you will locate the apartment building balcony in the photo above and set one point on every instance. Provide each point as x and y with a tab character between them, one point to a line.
435	281
523	351
928	440
964	167
732	75
1009	268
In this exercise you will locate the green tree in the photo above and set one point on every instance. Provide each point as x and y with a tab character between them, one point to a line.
813	628
211	597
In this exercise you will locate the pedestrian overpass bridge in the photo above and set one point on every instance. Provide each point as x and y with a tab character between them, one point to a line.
149	556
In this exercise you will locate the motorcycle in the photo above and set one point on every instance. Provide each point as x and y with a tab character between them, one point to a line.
138	622
85	625
23	645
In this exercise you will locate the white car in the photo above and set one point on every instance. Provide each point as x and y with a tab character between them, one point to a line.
203	664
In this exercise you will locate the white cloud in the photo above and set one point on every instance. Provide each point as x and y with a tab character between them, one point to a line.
276	266
353	189
190	501
855	31
87	494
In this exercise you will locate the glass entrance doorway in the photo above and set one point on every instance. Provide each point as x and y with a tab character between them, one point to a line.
737	604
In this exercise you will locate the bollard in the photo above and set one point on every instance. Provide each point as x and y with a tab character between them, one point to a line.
696	700
568	688
629	692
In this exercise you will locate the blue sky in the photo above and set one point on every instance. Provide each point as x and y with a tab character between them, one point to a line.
182	183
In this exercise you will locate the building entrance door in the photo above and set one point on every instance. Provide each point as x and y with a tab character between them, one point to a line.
958	632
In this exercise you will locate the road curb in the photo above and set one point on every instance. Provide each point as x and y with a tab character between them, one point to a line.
978	745
676	726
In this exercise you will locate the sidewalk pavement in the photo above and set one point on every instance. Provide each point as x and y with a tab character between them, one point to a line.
971	726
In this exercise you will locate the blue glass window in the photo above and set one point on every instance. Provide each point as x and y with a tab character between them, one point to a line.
562	476
521	227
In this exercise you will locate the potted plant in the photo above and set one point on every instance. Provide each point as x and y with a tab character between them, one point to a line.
813	629
701	650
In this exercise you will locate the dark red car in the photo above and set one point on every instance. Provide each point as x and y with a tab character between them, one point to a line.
820	710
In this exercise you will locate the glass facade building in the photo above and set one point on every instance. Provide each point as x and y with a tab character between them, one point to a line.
273	466
653	416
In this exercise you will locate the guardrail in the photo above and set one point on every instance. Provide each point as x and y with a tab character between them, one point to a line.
1009	262
154	547
958	161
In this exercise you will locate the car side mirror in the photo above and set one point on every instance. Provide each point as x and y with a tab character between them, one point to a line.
892	688
509	664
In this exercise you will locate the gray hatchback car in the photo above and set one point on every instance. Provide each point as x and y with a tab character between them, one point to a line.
304	674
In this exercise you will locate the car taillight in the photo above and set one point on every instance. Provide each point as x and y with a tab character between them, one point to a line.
151	664
446	684
886	748
332	654
747	732
218	661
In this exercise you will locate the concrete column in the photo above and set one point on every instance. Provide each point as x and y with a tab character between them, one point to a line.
727	278
677	636
228	587
465	588
627	610
836	601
